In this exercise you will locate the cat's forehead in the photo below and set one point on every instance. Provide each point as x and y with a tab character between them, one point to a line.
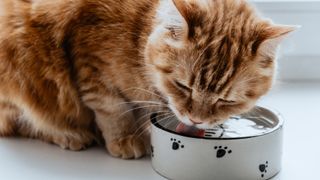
213	67
237	19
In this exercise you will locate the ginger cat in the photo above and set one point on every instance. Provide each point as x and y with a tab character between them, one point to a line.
69	66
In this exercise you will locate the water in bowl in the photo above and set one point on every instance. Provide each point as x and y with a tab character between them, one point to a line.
255	123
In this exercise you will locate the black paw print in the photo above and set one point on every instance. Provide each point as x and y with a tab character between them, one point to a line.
152	150
263	168
221	152
176	145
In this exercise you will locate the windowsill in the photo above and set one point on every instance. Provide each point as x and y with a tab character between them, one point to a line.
297	102
288	5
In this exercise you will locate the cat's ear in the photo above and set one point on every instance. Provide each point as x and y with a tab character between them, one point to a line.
191	14
180	28
272	38
174	17
183	8
187	15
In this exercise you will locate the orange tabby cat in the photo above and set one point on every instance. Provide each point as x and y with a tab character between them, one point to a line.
67	66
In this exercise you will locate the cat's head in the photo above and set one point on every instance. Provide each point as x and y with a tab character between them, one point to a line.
212	58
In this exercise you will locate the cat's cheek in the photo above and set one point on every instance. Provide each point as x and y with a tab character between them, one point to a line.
158	82
174	43
184	119
156	36
245	107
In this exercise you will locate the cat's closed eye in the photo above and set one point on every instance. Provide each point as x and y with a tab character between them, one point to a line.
182	86
226	102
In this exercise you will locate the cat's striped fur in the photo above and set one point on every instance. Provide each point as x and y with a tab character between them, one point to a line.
67	66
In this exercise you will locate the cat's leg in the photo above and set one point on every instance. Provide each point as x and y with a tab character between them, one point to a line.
14	122
64	134
9	115
116	121
65	130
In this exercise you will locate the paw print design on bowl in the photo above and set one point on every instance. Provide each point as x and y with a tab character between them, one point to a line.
176	144
222	151
152	151
263	168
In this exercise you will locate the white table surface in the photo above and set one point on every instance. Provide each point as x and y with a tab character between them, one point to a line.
298	103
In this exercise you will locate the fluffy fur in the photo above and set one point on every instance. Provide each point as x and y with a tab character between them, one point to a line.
69	67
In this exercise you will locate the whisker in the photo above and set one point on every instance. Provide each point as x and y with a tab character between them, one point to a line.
149	114
163	119
143	124
169	122
245	80
141	102
147	128
145	90
140	107
143	131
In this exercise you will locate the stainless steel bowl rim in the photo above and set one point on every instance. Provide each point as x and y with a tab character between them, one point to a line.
271	110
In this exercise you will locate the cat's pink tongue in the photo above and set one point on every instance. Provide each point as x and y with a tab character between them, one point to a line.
189	130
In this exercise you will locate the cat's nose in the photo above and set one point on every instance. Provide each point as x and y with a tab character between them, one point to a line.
195	121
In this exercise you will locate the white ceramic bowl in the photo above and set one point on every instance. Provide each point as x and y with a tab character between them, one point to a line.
244	148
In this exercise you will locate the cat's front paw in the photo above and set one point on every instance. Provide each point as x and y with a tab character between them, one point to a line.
74	141
129	147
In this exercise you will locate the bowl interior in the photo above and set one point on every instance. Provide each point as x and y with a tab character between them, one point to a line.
259	121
